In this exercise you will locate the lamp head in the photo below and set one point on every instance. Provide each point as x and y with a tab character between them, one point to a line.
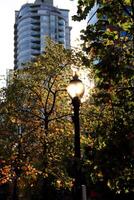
76	87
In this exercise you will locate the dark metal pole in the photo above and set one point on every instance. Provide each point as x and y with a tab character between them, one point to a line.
77	170
76	121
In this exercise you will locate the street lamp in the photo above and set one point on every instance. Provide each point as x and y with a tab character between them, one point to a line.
76	90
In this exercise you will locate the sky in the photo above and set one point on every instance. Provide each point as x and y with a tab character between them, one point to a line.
7	19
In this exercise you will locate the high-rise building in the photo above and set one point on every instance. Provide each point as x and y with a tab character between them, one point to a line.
10	73
35	21
2	81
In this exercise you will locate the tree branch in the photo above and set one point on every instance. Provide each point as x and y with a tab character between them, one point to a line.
125	9
60	117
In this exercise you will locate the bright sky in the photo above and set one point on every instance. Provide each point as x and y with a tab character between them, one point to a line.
7	19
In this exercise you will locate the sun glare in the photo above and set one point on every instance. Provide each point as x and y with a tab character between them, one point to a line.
84	76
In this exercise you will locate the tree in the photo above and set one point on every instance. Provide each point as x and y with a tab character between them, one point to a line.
109	46
38	110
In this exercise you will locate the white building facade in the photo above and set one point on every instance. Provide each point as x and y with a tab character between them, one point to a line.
35	21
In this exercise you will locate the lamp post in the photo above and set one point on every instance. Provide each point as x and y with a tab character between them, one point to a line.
76	90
